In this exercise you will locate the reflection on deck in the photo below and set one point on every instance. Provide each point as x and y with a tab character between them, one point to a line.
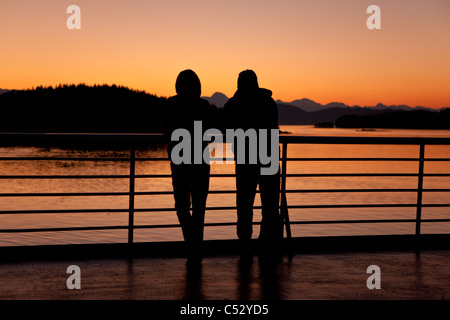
333	268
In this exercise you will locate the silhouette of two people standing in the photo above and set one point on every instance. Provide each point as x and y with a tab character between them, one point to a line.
250	108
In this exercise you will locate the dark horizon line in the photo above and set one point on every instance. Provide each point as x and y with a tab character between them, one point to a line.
278	101
335	104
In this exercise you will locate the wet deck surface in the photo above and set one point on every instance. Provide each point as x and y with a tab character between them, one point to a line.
336	276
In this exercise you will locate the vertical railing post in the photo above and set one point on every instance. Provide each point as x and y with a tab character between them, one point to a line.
284	208
131	195
419	189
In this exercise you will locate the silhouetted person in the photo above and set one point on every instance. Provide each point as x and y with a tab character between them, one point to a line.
252	107
190	181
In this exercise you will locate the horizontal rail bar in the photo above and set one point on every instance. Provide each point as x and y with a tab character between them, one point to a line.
366	175
354	221
126	159
144	176
218	224
364	140
215	175
395	205
95	194
63	229
62	194
367	221
147	193
152	176
65	177
160	226
335	206
118	159
367	159
210	224
159	138
62	211
353	159
106	210
362	190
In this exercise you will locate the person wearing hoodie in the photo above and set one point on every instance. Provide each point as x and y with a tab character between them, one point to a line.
253	107
190	181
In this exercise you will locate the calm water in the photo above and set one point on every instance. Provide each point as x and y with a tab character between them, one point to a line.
166	201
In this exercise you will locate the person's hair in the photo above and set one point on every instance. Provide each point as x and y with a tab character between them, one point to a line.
188	84
247	80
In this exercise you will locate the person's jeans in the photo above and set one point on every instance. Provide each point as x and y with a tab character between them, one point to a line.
191	185
247	179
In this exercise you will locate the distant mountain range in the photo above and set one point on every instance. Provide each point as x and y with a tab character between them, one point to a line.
309	112
218	99
120	109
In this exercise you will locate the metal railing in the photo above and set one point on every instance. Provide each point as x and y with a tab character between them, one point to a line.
421	159
132	139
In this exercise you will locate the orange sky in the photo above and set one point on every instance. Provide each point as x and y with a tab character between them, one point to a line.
316	49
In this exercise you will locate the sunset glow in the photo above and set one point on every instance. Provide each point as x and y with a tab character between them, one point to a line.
321	50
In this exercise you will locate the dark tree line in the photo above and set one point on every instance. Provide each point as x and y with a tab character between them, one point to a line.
80	108
84	109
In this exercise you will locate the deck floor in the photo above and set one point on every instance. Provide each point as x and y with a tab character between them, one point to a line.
302	276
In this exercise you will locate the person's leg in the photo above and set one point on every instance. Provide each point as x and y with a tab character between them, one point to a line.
181	192
271	223
246	183
200	187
